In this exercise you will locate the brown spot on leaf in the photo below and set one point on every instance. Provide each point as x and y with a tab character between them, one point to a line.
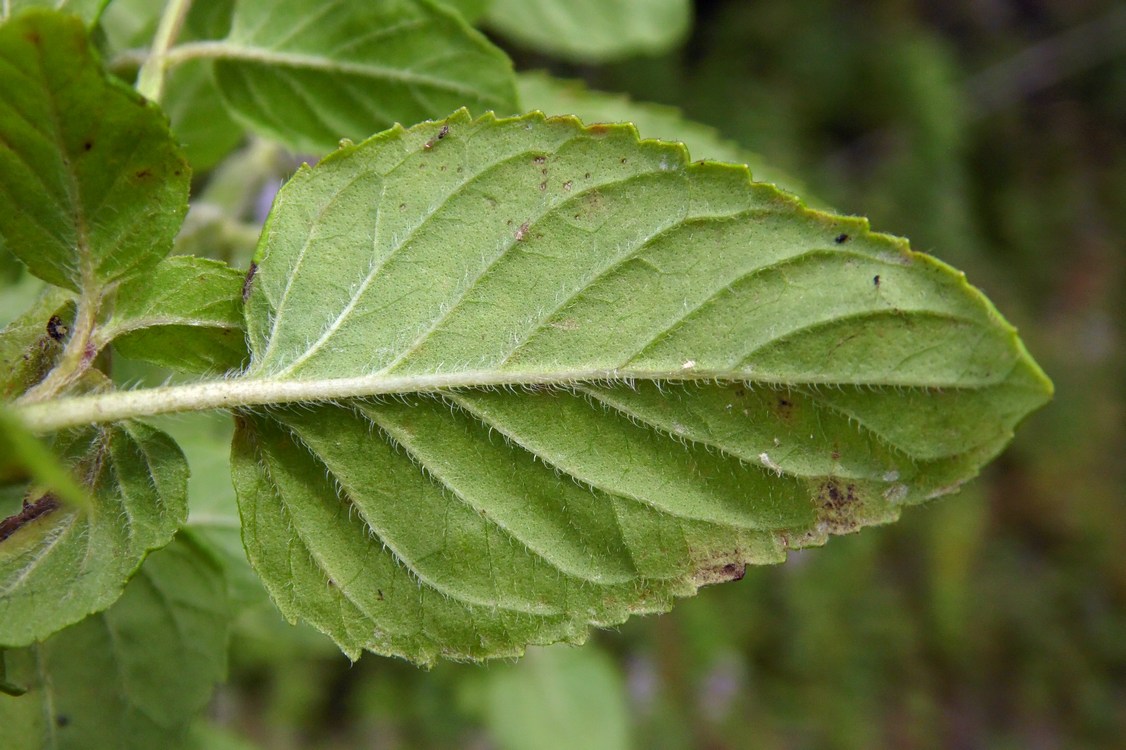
87	145
56	329
599	128
248	282
719	573
141	174
441	134
29	513
839	503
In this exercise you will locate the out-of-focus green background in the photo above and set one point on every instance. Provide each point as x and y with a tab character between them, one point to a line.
993	134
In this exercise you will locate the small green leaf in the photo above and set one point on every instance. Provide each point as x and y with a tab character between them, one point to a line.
553	96
87	10
133	676
311	74
618	376
93	186
592	30
59	565
186	314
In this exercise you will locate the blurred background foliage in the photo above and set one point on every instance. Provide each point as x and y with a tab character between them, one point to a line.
993	134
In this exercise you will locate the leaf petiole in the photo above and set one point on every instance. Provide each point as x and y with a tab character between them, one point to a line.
150	80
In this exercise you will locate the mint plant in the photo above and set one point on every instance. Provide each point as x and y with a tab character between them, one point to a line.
495	378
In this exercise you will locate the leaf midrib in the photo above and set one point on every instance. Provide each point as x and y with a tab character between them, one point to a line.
245	392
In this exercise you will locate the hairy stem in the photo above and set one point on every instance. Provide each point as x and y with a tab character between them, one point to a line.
42	417
150	81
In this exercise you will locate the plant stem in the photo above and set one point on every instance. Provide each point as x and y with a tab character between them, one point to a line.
42	417
150	81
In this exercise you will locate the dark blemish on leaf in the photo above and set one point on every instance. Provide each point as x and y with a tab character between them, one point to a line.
143	173
29	513
441	134
740	392
722	573
442	168
838	506
544	172
33	37
87	145
841	238
402	206
567	185
62	720
876	281
624	160
523	230
587	175
836	454
540	160
248	282
785	408
56	329
460	170
379	594
598	128
543	185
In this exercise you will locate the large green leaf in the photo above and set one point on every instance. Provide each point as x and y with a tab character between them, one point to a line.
186	313
93	186
309	74
58	565
618	376
133	676
592	30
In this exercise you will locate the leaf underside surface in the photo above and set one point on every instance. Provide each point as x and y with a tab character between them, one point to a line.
186	314
58	565
617	376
